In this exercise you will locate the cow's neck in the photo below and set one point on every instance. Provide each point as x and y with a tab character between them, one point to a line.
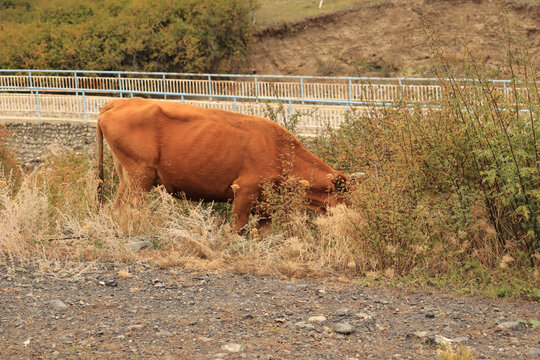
308	166
299	162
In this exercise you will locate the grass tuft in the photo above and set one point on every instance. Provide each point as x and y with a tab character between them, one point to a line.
462	353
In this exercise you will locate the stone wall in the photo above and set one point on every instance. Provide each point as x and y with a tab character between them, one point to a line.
31	140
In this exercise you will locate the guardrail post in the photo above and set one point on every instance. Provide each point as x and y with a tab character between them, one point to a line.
400	92
504	91
256	88
30	82
84	105
290	110
302	88
350	93
37	94
163	87
210	86
76	83
120	87
235	106
37	105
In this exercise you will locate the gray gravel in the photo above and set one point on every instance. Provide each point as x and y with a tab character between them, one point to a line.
158	314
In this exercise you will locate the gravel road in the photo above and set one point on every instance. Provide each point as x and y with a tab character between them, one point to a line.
163	314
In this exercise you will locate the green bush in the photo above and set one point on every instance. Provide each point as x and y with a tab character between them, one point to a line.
188	36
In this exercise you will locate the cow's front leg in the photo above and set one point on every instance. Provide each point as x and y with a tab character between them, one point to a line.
245	197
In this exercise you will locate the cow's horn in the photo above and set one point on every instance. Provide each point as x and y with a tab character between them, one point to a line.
357	176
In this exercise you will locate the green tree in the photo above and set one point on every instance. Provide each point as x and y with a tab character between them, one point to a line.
179	35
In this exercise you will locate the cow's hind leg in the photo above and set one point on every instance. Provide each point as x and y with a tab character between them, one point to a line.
141	180
245	197
134	180
123	183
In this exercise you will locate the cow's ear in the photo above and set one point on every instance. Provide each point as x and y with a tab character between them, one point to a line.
340	183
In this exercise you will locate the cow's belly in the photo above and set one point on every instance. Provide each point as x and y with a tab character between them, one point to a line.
196	185
196	195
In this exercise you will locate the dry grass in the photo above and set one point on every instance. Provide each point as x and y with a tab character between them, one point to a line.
462	353
53	218
22	217
185	234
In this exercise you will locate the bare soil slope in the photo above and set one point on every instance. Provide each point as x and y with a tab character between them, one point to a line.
387	38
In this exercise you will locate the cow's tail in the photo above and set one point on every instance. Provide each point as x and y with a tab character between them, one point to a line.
101	177
99	136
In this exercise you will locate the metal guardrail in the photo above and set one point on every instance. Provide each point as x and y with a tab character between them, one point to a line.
295	88
308	120
234	89
284	87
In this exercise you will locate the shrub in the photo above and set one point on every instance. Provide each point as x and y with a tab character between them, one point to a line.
283	203
454	182
187	36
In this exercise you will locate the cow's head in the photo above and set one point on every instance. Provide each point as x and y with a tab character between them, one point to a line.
330	190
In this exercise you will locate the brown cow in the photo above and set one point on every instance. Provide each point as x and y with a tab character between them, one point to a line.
209	155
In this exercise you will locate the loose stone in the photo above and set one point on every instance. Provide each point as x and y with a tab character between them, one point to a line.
342	312
317	319
510	325
534	352
58	305
344	328
232	347
136	246
304	325
166	333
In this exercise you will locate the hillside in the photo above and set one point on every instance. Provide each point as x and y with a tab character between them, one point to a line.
387	38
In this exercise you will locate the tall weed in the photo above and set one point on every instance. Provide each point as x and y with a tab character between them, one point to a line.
9	167
449	183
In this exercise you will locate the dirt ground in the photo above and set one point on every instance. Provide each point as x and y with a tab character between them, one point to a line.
387	38
111	313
